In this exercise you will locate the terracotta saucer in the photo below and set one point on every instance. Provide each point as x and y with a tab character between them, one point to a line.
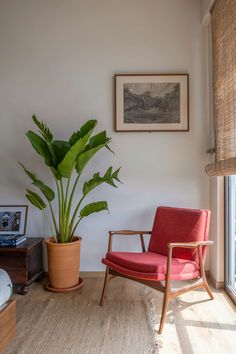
73	288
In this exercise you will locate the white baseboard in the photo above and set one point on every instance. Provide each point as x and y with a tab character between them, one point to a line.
215	283
94	274
101	274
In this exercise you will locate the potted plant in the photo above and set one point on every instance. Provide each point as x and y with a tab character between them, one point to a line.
66	159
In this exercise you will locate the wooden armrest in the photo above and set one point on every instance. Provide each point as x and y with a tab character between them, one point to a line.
197	244
190	244
129	232
139	233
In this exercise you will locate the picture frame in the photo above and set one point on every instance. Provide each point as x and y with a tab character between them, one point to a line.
152	102
13	219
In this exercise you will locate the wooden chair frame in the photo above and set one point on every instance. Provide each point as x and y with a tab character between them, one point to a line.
200	282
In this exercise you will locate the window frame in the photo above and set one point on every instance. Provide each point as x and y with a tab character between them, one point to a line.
228	288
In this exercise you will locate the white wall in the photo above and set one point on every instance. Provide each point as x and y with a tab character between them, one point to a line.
57	60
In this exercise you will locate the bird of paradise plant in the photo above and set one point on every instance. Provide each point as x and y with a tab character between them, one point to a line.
65	158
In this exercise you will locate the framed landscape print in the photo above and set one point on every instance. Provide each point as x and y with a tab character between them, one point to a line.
151	102
13	219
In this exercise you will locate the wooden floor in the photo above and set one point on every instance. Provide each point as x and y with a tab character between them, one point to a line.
49	323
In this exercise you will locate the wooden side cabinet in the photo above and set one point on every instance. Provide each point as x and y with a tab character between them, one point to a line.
23	263
7	324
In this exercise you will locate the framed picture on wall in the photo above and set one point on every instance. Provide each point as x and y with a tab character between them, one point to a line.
13	219
151	102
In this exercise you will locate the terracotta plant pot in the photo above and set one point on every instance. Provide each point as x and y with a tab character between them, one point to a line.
63	263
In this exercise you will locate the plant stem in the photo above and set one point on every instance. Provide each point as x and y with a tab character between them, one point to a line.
74	215
66	216
71	197
53	218
73	231
67	190
45	215
62	209
62	192
59	211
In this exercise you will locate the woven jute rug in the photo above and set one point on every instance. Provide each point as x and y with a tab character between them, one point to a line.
71	323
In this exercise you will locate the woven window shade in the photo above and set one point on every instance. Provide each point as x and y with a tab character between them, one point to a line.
223	15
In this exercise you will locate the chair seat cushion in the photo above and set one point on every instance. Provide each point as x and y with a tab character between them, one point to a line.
150	265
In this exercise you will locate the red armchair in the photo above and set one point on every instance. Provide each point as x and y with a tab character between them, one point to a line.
176	251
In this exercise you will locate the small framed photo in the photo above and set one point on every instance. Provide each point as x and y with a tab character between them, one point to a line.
13	219
152	102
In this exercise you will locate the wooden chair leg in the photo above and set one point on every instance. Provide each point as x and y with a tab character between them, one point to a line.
166	301
207	288
104	286
167	294
203	274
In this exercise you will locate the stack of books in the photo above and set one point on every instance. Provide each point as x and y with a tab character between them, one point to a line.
12	240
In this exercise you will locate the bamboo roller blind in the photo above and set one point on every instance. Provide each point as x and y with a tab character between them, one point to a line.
223	15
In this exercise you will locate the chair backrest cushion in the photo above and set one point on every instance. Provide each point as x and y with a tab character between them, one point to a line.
179	225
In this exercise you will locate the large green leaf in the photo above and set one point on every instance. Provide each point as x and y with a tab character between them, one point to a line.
84	158
108	177
90	124
60	148
97	180
67	165
92	183
96	143
40	146
98	139
47	137
55	173
31	175
35	199
93	208
115	175
47	191
43	129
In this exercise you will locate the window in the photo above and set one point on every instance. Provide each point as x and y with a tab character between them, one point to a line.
230	264
223	15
